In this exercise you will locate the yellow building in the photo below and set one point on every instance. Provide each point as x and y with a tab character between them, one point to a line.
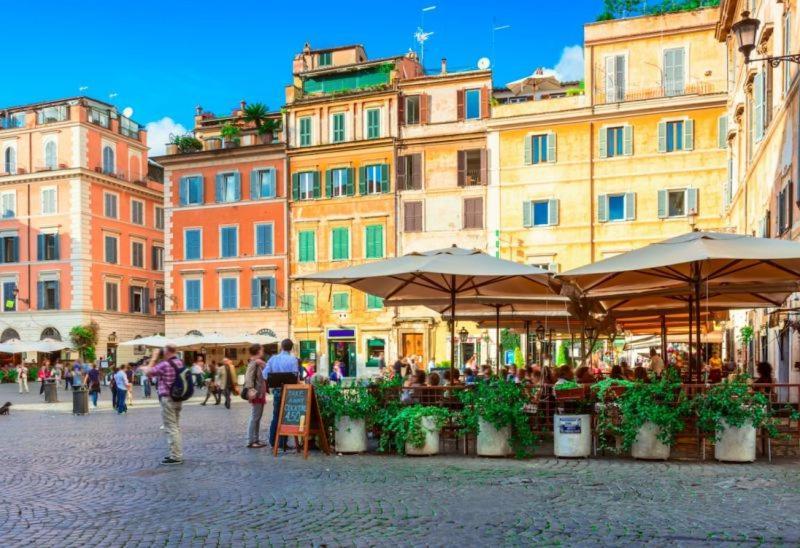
342	123
636	157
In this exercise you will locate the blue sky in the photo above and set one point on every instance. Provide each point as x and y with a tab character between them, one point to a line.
164	57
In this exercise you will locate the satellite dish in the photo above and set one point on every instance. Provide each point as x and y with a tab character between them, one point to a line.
127	112
484	63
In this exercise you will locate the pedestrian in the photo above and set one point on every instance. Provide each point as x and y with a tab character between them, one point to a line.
147	386
255	390
212	387
56	372
77	376
283	362
121	383
67	377
165	373
22	377
44	374
93	382
198	368
656	363
228	381
131	380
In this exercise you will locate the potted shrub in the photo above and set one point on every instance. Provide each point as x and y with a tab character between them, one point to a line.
230	135
183	144
414	430
347	409
733	411
495	411
213	143
572	431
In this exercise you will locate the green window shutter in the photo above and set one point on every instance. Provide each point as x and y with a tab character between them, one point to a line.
758	106
317	193
662	136
662	204
295	186
552	212
527	221
722	131
691	201
602	208
630	206
362	180
385	178
374	245
551	147
688	135
528	145
350	186
602	140
329	183
627	140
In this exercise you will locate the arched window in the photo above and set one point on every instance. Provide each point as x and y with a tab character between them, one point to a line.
9	334
108	159
194	332
266	331
50	333
50	155
10	160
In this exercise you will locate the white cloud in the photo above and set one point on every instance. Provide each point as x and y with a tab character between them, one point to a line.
570	67
158	134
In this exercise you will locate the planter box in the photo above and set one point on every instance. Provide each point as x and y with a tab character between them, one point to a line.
491	441
212	144
572	435
431	445
171	149
647	445
736	444
570	394
351	435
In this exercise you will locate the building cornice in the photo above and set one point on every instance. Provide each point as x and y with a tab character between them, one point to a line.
72	173
363	145
265	151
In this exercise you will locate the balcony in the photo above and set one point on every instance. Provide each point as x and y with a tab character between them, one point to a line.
52	115
643	93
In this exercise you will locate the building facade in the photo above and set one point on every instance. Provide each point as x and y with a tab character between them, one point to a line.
82	225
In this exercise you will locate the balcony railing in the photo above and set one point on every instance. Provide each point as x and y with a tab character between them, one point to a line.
472	177
642	93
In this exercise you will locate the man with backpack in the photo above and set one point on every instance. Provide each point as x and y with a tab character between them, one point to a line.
175	385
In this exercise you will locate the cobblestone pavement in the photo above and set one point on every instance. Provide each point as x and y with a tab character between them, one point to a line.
94	481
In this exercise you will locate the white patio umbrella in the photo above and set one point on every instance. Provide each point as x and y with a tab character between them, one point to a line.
16	346
155	341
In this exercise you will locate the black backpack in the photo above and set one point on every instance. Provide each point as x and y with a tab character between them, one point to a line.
183	386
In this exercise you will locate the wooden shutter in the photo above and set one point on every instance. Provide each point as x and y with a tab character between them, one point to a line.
416	171
329	183
602	208
218	188
237	184
40	295
130	298
688	135
401	110
400	173
602	141
758	106
255	293
552	212
662	204
527	218
630	206
610	72
627	140
528	146
255	185
486	105
385	178
57	246
362	180
183	190
691	201
317	191
484	167
662	136
551	147
40	247
424	108
146	300
473	213
349	183
460	104
722	131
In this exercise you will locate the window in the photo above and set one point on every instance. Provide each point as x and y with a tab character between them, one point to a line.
337	127
412	104
305	185
13	120
159	216
540	148
111	251
374	302
112	296
108	160
9	247
98	117
47	248
677	203
785	209
49	201
374	179
264	292
616	207
8	202
157	258
137	254
374	242
50	155
192	249
308	349
472	104
473	212
305	131
228	241
128	127
307	246
137	212
615	78
340	242
325	59
262	184
722	131
191	190
675	135
373	123
48	295
10	160
308	302
9	300
264	239
192	293
674	71
409	172
787	50
139	300
230	293
339	182
49	115
412	217
540	213
616	141
341	302
110	205
759	106
472	167
228	187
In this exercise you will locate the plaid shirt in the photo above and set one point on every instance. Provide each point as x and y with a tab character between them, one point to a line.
165	374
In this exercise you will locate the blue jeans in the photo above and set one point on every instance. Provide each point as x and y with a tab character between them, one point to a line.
122	396
94	395
147	388
276	410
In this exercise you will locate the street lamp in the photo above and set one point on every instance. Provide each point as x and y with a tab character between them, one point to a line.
745	31
540	332
463	334
590	332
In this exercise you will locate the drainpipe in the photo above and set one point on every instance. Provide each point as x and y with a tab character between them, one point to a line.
395	144
30	170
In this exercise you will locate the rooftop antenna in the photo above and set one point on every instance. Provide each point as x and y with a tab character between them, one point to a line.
495	29
421	36
83	88
112	94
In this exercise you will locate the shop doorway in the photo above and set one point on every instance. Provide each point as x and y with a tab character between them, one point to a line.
344	351
411	344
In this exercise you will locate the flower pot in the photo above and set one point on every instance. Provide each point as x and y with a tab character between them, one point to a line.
171	149
572	435
431	445
351	435
736	444
212	144
647	445
491	441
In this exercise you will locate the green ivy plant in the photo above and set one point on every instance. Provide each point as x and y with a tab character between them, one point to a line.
337	401
746	334
405	426
733	404
186	143
566	385
84	339
500	403
230	132
601	388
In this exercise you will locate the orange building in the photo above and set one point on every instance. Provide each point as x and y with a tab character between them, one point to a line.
81	231
226	219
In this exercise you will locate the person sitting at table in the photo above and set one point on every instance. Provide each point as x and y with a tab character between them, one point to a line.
584	375
565	374
640	374
616	373
764	371
469	376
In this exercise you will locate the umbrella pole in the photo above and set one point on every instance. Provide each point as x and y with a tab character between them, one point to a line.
453	327
497	330
691	320
663	338
527	342
697	327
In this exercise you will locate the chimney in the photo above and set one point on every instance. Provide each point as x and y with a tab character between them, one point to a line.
444	65
198	110
242	104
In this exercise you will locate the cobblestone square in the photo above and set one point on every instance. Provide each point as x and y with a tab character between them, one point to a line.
95	481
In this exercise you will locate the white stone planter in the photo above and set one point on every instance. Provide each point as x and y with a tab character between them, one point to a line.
647	445
351	435
736	444
491	441
431	446
572	435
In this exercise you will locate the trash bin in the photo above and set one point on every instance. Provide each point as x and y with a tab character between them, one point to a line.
50	391
80	401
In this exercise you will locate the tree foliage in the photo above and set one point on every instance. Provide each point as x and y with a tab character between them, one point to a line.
84	339
617	9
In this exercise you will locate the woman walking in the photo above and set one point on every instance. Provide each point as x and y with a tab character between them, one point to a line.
255	390
228	381
93	381
22	377
212	386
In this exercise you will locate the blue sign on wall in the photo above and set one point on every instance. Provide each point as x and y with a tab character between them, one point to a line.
341	333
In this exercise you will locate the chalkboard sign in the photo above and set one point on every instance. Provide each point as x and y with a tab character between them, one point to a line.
299	417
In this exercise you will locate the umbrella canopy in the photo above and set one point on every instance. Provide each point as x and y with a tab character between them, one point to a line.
537	81
16	346
156	341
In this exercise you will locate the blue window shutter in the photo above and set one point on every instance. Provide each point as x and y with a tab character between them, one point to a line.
40	295
57	291
268	244
351	191
15	249
385	178
602	140
527	221
630	206
255	300
57	247
40	247
691	200
237	182
2	250
362	180
602	208
272	178
552	212
528	146
627	140
146	300
218	188
272	297
183	190
688	135
662	204
551	147
202	184
255	185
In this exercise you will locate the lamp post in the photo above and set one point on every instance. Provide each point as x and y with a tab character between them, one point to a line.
462	337
745	31
590	333
540	334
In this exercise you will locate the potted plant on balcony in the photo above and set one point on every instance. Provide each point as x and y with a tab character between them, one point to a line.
413	430
183	144
257	114
347	409
230	135
495	411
